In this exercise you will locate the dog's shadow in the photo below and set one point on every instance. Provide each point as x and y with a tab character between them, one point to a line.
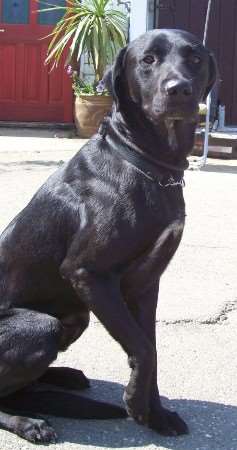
212	425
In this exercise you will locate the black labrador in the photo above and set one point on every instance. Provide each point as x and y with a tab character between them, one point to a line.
97	236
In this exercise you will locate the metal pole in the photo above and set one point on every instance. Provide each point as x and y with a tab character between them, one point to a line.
207	125
207	22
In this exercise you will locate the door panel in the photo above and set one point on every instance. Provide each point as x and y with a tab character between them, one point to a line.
190	15
7	72
28	90
15	11
32	72
50	17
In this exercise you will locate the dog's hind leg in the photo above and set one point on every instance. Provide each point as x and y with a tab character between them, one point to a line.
65	377
29	342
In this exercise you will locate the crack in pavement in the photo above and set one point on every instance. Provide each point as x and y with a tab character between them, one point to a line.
212	247
218	318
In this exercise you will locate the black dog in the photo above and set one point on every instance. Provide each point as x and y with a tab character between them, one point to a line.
97	237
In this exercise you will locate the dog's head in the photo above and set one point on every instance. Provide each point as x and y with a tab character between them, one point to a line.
166	73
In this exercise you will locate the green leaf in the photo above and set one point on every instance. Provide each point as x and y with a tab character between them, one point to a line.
90	26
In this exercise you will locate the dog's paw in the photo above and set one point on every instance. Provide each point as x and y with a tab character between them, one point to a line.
167	423
35	430
136	407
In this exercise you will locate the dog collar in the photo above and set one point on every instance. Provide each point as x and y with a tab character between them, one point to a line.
150	170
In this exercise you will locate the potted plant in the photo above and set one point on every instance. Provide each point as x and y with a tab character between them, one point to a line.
96	29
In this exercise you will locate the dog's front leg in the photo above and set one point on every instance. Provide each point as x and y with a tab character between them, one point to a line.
101	293
143	307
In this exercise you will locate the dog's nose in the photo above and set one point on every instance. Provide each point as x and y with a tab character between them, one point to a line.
178	88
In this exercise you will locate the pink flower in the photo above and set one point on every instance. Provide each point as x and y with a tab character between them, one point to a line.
100	87
69	70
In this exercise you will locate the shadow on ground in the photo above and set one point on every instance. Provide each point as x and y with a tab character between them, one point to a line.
212	425
221	168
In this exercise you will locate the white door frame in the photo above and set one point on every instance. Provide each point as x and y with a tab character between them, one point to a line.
138	18
142	16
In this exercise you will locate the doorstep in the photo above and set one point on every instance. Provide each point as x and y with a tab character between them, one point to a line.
222	144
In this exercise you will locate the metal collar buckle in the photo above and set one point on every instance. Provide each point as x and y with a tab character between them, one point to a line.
172	182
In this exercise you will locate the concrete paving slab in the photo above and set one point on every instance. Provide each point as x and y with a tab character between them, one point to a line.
205	259
35	144
41	131
208	253
197	373
196	322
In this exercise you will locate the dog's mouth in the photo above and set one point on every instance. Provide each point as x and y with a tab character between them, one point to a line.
187	111
191	116
174	116
181	110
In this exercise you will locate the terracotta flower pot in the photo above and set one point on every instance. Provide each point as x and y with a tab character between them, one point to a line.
89	112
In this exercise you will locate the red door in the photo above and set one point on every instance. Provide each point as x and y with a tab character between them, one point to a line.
28	91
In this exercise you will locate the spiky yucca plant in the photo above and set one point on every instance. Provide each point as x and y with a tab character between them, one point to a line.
90	26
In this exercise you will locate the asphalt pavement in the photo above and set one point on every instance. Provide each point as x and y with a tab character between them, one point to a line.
196	320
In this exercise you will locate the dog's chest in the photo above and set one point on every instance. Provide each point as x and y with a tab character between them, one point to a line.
157	209
164	219
165	204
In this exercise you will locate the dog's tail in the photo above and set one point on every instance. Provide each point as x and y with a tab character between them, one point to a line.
60	404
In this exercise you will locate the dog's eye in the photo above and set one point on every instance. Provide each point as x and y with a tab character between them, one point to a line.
195	59
148	59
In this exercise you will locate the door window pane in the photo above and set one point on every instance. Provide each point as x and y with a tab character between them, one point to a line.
51	17
15	11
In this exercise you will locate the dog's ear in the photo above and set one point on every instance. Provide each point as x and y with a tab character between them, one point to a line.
212	75
113	77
